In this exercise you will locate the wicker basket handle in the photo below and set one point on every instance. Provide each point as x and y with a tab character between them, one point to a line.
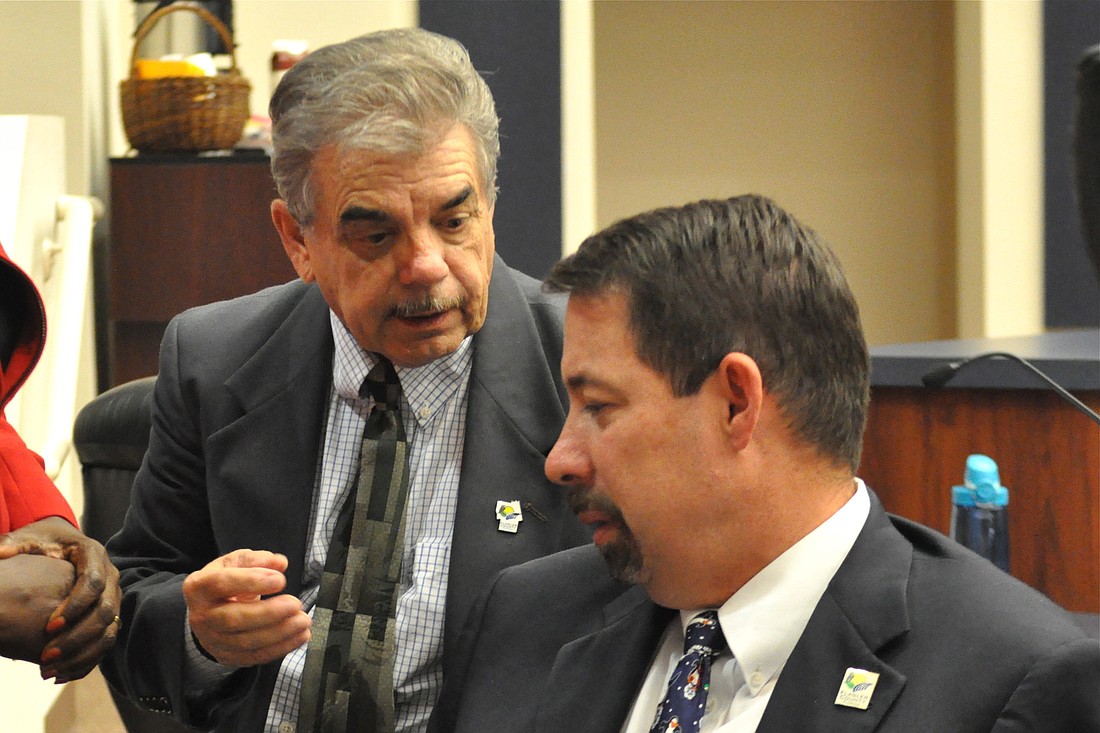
206	15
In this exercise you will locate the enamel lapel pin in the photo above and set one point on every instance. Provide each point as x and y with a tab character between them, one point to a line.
509	515
856	688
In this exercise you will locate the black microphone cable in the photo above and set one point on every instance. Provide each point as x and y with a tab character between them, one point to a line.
943	374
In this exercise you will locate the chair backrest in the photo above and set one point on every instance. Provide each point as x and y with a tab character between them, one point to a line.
110	436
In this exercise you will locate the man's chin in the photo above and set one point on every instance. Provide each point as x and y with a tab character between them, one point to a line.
425	348
624	561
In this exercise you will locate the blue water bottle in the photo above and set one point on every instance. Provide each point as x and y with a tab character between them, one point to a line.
979	511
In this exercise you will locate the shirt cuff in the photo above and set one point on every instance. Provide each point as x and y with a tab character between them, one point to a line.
199	668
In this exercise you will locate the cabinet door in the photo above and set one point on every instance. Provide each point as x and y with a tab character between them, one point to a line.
184	232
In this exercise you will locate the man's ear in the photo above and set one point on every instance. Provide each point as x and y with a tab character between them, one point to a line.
743	389
294	243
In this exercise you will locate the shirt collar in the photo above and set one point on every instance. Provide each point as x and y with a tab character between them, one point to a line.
765	618
425	389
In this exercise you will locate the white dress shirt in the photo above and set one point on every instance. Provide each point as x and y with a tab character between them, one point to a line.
762	622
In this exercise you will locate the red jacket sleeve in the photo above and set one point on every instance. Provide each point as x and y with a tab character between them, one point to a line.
28	493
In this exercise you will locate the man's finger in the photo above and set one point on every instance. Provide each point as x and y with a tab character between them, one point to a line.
229	583
253	559
241	618
262	644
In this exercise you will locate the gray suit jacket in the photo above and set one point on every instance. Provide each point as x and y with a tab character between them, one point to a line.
556	645
237	428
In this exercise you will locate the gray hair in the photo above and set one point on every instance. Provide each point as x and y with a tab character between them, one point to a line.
395	91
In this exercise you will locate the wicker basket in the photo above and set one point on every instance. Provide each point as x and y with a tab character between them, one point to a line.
184	113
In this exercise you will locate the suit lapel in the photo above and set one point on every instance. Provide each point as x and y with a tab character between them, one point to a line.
595	678
512	366
267	457
863	609
513	418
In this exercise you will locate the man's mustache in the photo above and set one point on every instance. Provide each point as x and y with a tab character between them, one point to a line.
581	499
426	306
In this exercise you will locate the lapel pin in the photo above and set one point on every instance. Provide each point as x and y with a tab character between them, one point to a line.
856	688
509	515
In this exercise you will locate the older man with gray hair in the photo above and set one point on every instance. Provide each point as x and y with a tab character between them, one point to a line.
337	464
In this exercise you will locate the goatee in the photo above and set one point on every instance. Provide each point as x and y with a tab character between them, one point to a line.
623	555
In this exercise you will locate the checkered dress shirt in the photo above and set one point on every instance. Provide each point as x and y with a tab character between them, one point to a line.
434	412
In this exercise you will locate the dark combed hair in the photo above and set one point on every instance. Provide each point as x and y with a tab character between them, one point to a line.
738	275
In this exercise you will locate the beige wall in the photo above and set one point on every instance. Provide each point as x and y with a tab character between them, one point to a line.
841	111
64	58
320	22
45	78
999	127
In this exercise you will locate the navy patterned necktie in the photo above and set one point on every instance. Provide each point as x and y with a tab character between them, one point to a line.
686	699
347	683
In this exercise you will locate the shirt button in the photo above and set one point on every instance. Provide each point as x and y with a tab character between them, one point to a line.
425	413
286	728
757	679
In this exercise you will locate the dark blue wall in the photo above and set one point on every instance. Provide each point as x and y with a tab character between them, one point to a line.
1072	289
517	48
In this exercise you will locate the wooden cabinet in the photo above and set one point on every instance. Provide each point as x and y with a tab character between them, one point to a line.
185	230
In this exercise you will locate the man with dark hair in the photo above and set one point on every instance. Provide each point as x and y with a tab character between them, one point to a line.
718	382
337	465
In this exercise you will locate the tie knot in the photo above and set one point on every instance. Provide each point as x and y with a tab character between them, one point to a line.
704	634
382	385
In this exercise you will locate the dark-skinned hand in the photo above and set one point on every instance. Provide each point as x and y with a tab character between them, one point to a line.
82	625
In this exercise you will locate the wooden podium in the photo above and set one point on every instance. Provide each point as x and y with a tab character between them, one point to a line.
1048	452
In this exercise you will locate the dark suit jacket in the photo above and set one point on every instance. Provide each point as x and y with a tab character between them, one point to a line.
556	645
237	425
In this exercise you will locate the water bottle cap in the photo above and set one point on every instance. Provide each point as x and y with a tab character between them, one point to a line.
981	469
982	484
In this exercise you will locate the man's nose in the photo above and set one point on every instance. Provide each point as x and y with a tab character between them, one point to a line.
568	464
422	260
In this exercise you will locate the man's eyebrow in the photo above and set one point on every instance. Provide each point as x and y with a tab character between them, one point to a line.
580	381
361	213
458	200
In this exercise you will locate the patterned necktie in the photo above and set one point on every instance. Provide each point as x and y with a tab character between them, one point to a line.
686	698
347	682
